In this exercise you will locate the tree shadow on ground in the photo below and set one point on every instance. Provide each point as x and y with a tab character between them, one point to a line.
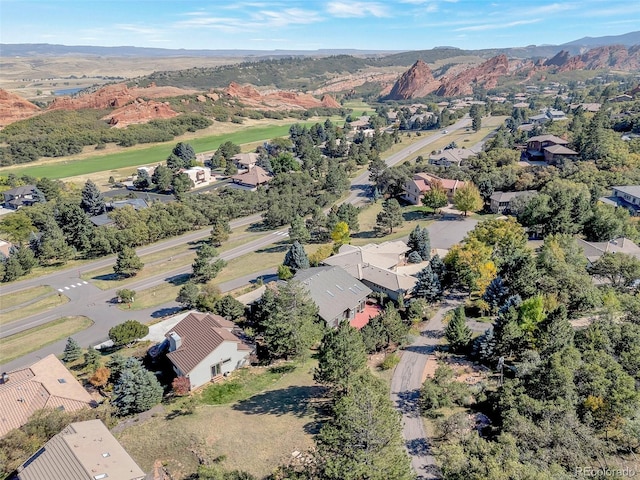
110	277
409	402
366	234
259	227
420	349
165	312
293	400
179	279
417	215
418	446
279	247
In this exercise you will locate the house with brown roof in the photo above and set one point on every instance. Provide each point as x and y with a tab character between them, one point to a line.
45	384
421	183
203	347
549	148
253	178
245	161
81	451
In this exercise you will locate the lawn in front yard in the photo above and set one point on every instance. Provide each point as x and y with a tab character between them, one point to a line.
35	338
255	434
413	215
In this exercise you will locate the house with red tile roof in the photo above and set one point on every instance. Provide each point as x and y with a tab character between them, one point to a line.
45	384
421	183
203	347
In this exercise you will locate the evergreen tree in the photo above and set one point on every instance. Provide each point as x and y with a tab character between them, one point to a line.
341	356
496	294
128	263
92	200
76	226
185	153
299	231
363	438
92	359
188	295
72	351
457	333
162	178
220	231
181	184
296	258
38	196
12	268
52	247
390	216
127	332
420	242
291	328
485	346
136	390
438	267
414	257
206	266
555	332
428	285
26	257
143	180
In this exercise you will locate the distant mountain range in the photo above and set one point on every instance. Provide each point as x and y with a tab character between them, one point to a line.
45	49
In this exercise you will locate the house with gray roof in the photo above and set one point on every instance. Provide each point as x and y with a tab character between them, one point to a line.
501	201
594	250
451	156
203	348
338	295
18	197
81	451
625	196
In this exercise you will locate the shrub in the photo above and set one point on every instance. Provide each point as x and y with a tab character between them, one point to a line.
181	386
100	377
390	361
127	332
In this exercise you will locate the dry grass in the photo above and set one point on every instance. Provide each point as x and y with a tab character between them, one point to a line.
33	339
254	435
47	303
154	296
10	300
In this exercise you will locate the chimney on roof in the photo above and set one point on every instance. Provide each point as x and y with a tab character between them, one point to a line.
174	341
5	377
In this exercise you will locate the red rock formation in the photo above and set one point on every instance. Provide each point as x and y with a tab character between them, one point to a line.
485	75
140	111
277	100
616	57
416	82
13	108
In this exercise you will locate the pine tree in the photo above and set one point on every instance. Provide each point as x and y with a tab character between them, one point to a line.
38	196
162	178
143	180
127	332
136	390
291	328
555	332
341	356
457	333
438	267
296	258
363	438
72	351
220	230
390	216
420	242
188	295
12	268
204	266
92	200
428	285
299	231
52	247
496	294
92	359
128	263
185	153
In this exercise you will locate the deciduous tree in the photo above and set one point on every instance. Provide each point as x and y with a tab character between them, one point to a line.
468	199
127	332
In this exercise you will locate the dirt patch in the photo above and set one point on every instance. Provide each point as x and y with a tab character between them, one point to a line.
466	371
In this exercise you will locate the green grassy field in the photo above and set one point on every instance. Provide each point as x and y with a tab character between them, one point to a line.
35	338
10	300
141	156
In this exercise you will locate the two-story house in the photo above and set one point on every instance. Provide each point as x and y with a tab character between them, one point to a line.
421	183
625	196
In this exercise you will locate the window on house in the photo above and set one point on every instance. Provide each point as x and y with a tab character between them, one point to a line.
226	360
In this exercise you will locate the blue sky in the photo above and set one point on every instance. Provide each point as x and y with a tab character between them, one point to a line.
313	24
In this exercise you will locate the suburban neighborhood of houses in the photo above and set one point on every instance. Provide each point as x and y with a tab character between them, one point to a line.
378	287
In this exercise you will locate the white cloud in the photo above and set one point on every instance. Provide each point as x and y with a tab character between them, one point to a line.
357	9
495	26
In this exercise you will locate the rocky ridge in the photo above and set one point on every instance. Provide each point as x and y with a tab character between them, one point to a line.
139	111
13	108
278	99
416	82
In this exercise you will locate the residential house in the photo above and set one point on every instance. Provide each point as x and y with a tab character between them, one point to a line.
245	161
199	175
203	348
148	170
547	116
45	384
594	250
361	123
501	201
338	295
451	156
253	178
421	183
557	154
375	266
104	219
621	98
5	249
19	197
625	196
81	451
549	148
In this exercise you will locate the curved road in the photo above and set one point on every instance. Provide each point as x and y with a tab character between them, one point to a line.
86	299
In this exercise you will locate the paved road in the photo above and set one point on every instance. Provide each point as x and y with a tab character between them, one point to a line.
86	299
405	391
360	185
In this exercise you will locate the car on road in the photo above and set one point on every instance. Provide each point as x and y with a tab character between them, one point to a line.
445	131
